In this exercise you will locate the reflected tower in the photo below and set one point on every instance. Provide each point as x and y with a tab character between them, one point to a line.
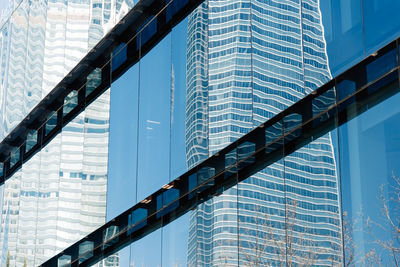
59	195
246	62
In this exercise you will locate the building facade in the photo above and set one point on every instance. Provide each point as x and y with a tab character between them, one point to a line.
213	77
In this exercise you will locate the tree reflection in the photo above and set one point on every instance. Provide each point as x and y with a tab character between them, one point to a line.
378	250
289	247
261	238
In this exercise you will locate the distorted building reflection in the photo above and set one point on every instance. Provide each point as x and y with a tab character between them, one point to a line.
246	62
60	194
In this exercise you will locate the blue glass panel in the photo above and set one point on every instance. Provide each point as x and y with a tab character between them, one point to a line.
178	100
389	80
197	88
170	195
230	159
147	251
149	29
93	80
137	220
64	261
165	200
70	102
315	54
14	156
343	31
192	183
272	133
291	124
345	88
122	173
110	236
323	102
118	56
121	258
381	65
204	174
261	218
154	119
381	23
51	123
1	169
175	242
370	167
85	251
245	154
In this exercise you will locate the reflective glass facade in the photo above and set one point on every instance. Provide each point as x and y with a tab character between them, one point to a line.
59	196
219	74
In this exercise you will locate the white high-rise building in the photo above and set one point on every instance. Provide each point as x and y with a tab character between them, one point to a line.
59	195
246	62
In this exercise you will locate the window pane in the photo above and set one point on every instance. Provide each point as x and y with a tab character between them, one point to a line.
380	22
147	251
175	242
261	212
154	118
314	230
178	100
369	160
343	31
123	143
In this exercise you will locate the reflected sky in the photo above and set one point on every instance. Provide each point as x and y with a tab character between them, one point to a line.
160	134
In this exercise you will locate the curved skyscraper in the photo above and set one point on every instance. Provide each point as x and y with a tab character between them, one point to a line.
246	62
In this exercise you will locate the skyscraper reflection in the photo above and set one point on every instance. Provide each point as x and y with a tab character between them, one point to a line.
60	194
246	62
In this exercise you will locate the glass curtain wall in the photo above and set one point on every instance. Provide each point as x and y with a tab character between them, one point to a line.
225	69
243	62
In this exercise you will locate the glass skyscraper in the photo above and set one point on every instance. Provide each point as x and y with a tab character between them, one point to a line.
246	62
